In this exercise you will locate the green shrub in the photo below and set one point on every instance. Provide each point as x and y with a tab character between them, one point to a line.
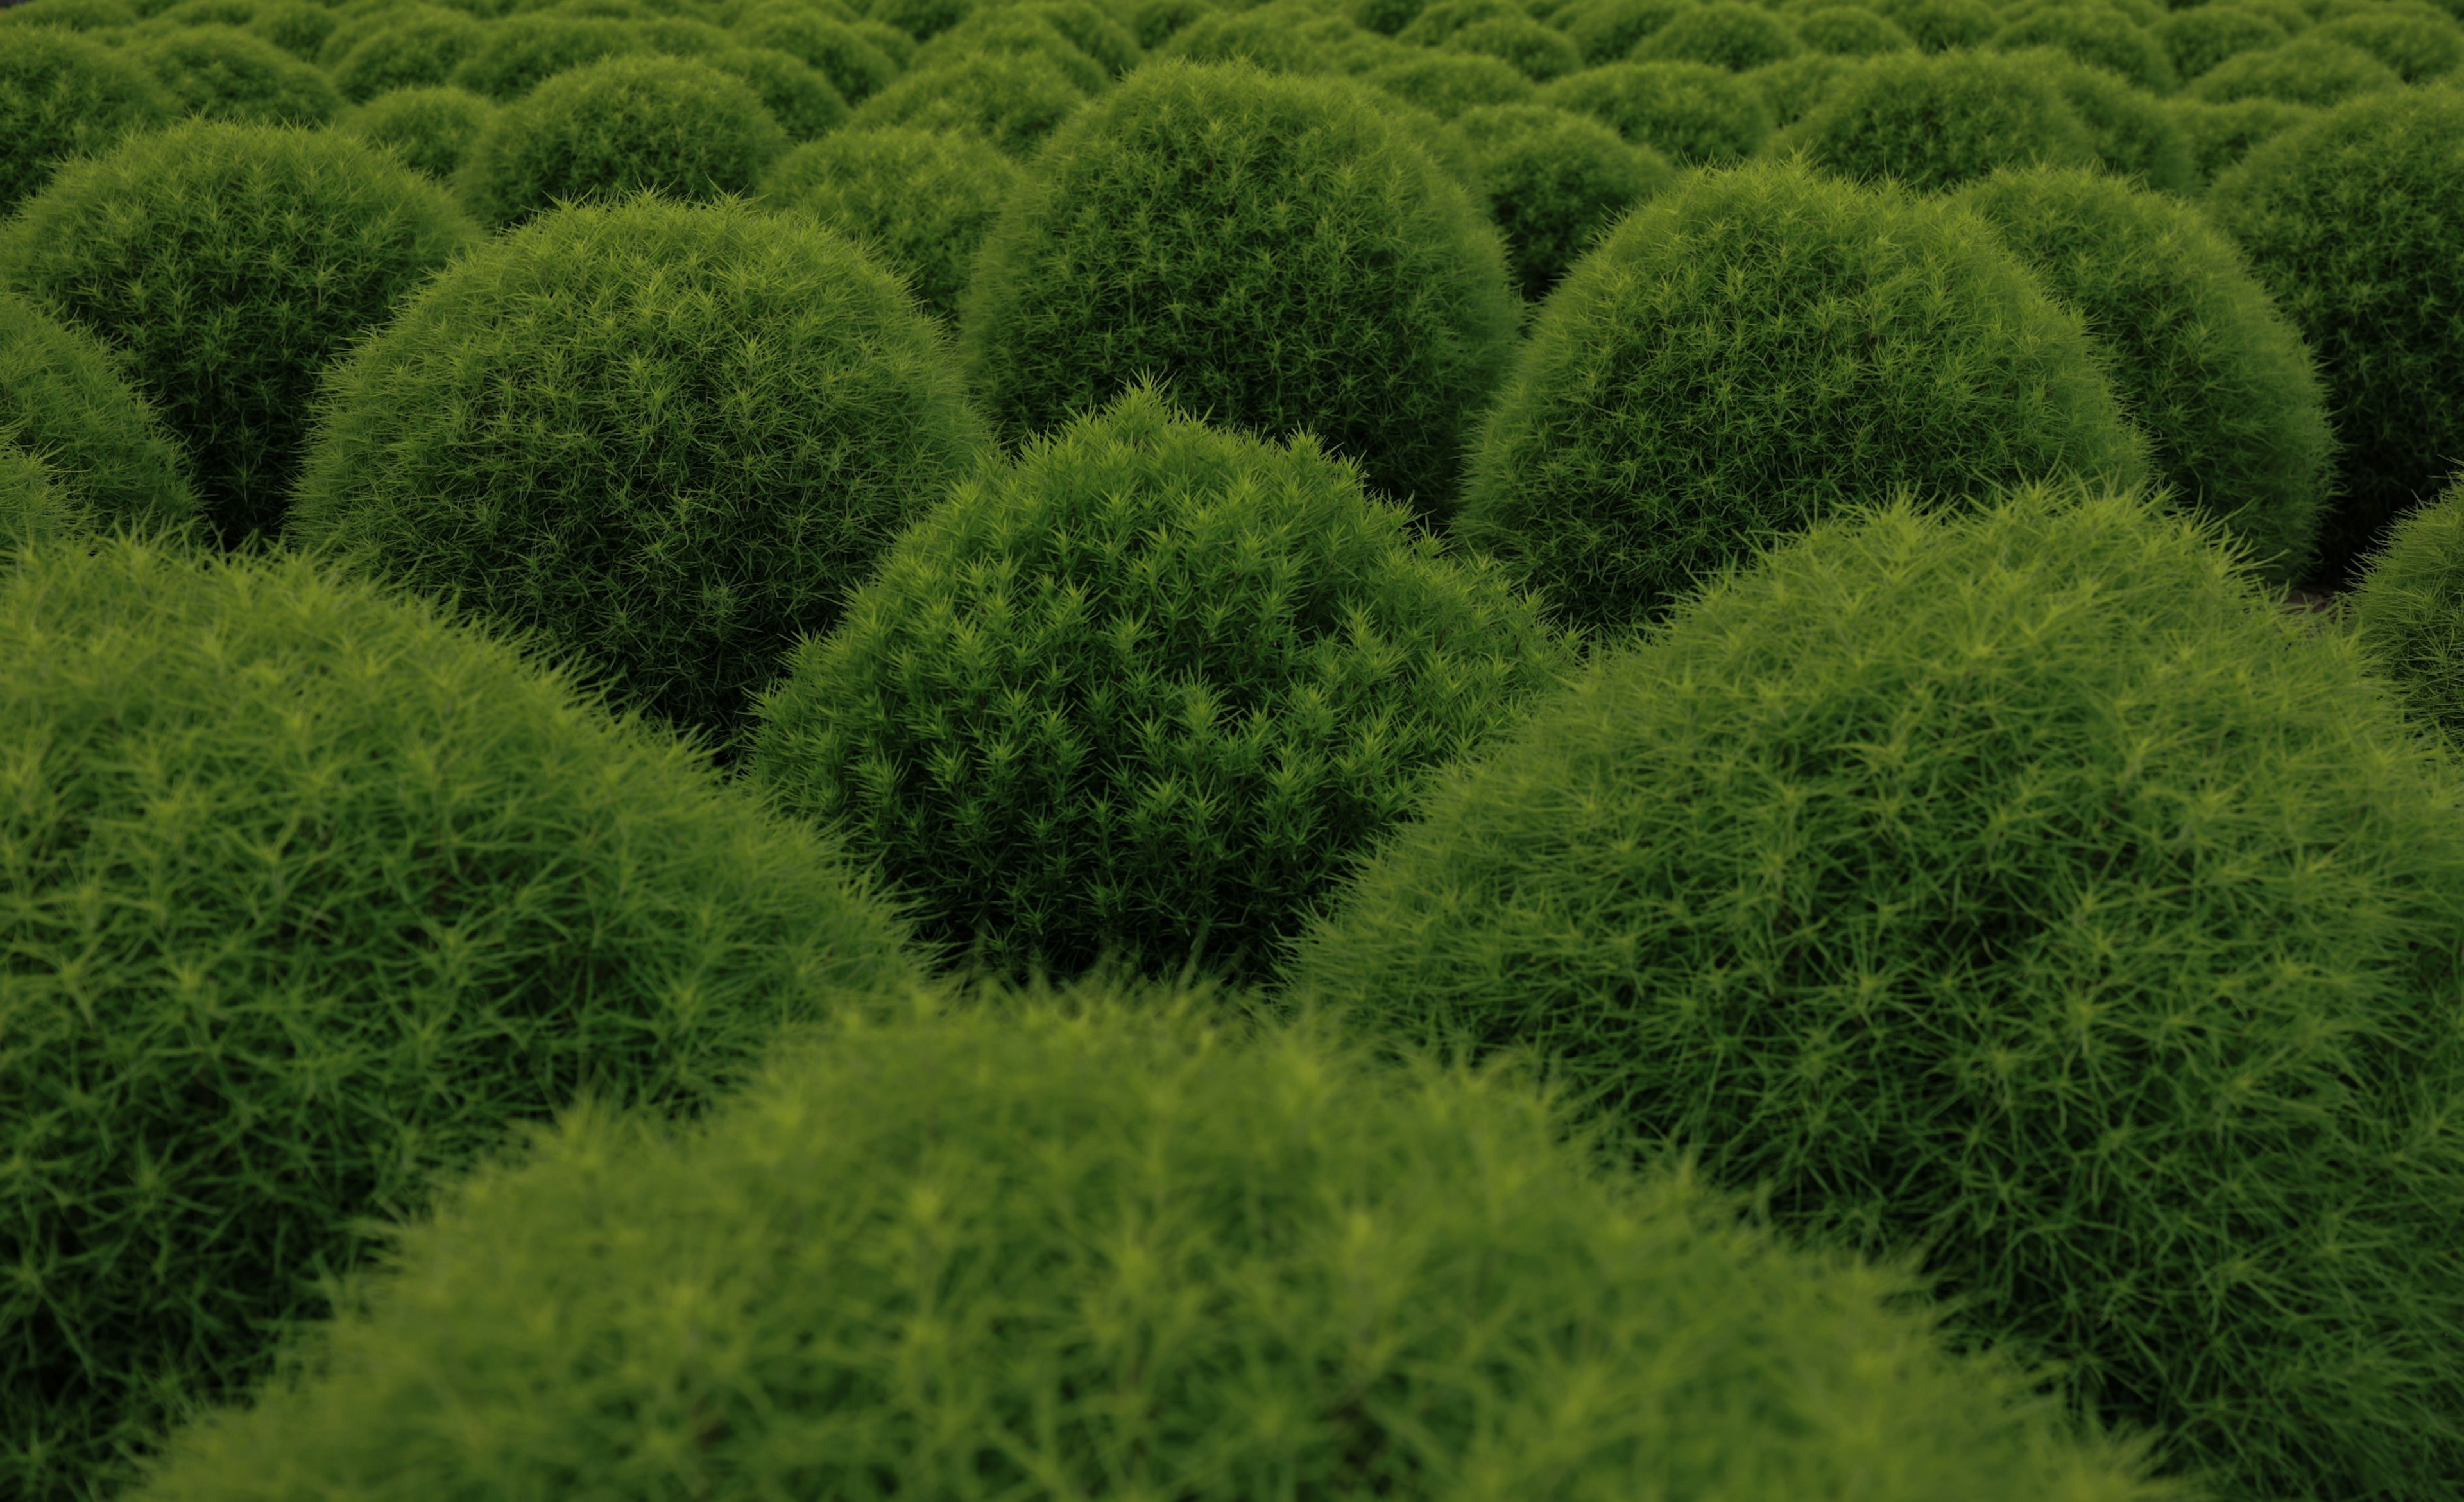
1941	25
1793	86
1442	19
1734	34
2354	222
921	19
855	65
1932	121
420	51
1607	31
1092	29
795	94
683	36
65	399
1014	102
2408	611
2131	131
1323	274
1385	17
520	53
63	94
667	436
1447	84
1553	181
2304	71
675	126
2197	39
1960	885
2419	47
1849	31
2221	135
321	893
2289	15
1009	32
1538	51
1754	347
35	511
1153	21
432	128
230	263
2096	35
70	15
918	200
1697	113
2222	385
223	73
1284	37
298	27
1099	1243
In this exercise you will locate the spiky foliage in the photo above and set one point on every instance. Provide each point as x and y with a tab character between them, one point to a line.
2131	131
2096	35
803	101
229	263
1153	21
1289	36
1696	113
1733	35
1537	52
1931	120
1009	34
2354	222
1941	25
1751	349
2220	135
63	94
431	129
1606	31
1013	101
2197	39
2420	47
1850	30
919	202
1553	181
1144	695
298	27
2407	610
1322	274
1447	84
1958	884
223	73
2304	71
418	50
1793	86
854	64
70	15
65	399
518	53
35	511
2223	385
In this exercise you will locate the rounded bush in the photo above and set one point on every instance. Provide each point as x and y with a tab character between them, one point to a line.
230	263
419	51
1537	52
1932	121
65	399
1850	30
1143	695
1554	180
298	27
1793	86
2290	14
63	94
2222	385
2221	135
1008	33
2304	71
322	893
2419	47
1015	102
2197	39
431	129
855	66
1699	114
2408	609
1734	34
2096	35
1440	19
1282	37
1941	25
795	94
70	16
222	73
1447	84
1153	21
35	510
519	53
1753	349
1381	324
366	18
2354	222
675	126
918	200
2131	131
1607	31
920	19
1092	28
683	36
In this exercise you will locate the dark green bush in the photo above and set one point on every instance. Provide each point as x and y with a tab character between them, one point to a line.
1385	17
803	103
1288	36
1941	25
63	94
1850	30
2132	132
430	128
1750	350
418	51
1440	19
298	27
1321	272
2408	611
1696	113
675	126
65	399
1010	32
2197	39
223	73
1014	102
2221	135
520	53
683	36
1734	34
1153	21
918	200
1793	86
2096	35
1093	29
855	65
1553	181
920	19
2419	47
1447	84
2354	222
320	895
1962	885
1144	694
35	511
70	16
1932	121
1607	31
2222	385
2304	71
1538	51
229	263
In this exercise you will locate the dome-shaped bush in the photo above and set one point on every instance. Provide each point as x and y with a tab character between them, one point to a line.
669	435
1146	693
2210	370
918	200
319	894
1153	21
2294	15
683	36
1932	121
2131	131
1283	36
1850	30
1941	25
1100	1243
2096	35
1009	32
1447	84
230	263
2408	611
63	94
1695	111
2025	887
2197	39
2354	222
223	73
420	49
1442	19
1606	31
430	128
2419	46
34	510
1537	52
675	126
1734	34
1750	350
2304	71
364	18
68	15
65	400
803	103
1093	29
1014	102
2220	135
1380	321
1793	86
919	19
855	66
1554	180
520	53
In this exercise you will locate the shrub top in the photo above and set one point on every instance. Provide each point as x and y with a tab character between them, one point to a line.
1012	101
64	94
2096	35
65	399
223	73
920	201
519	53
33	511
1699	113
1933	121
2409	610
2307	70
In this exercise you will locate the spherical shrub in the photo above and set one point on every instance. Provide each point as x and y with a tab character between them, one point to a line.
2096	35
65	399
1941	25
1281	37
2221	135
1931	120
322	893
223	73
1956	882
365	17
430	128
1697	113
2355	224
522	52
1538	51
675	126
1606	31
803	103
919	19
1380	323
1014	102
2305	71
2290	15
2197	39
298	27
1554	180
1448	83
2409	612
854	65
1734	34
63	94
72	15
1093	29
1008	33
230	263
2131	131
35	510
683	36
1793	86
918	200
419	51
2222	385
2419	47
1850	30
1153	21
1385	17
1754	347
1442	19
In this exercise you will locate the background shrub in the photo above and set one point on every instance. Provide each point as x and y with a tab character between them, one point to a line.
359	889
2197	39
1694	112
1151	21
855	65
1008	33
2308	71
1537	52
2420	45
522	52
1446	84
1282	37
2131	131
2408	609
229	263
1931	122
1941	25
1434	23
1948	880
420	48
1850	30
223	73
1752	348
1606	31
1554	180
1323	274
797	96
63	94
64	398
1790	87
70	15
1733	35
2096	35
918	200
430	128
1014	102
2220	135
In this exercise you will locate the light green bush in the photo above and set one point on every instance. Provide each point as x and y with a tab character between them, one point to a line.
223	73
35	512
64	94
2197	39
1540	52
1941	25
795	94
919	202
2221	135
1849	31
418	49
1793	86
2100	36
1554	180
2420	45
519	53
66	400
1696	113
2408	609
855	65
1607	31
1931	120
1447	83
2130	130
430	128
1734	34
2307	70
1014	102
